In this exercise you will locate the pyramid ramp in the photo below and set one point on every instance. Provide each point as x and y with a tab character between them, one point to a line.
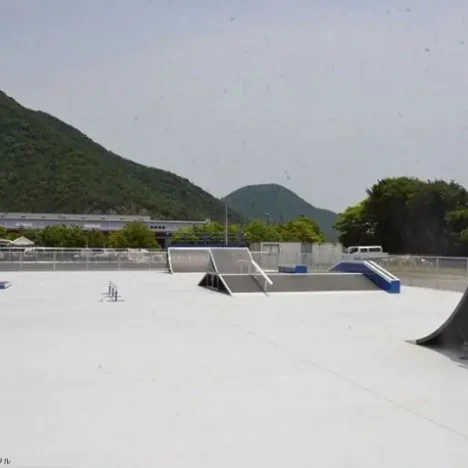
232	260
453	333
215	282
189	260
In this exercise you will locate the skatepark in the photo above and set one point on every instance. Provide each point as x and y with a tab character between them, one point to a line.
175	373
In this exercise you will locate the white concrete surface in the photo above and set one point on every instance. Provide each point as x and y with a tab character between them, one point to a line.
178	376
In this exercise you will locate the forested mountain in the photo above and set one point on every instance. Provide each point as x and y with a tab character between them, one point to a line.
49	166
276	204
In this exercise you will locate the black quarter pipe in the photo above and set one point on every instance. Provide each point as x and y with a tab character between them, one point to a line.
453	332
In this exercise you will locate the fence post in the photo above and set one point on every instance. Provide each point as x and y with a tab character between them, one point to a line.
54	261
21	261
437	273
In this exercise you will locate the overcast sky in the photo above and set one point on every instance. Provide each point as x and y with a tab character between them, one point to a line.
323	97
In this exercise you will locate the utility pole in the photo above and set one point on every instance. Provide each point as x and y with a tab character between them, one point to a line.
226	222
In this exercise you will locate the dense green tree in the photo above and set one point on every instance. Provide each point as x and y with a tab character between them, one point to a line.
133	235
258	231
388	211
303	230
408	215
354	227
62	236
96	239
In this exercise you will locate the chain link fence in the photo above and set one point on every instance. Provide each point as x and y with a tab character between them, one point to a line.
81	260
448	273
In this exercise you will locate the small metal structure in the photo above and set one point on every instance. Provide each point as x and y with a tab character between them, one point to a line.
112	293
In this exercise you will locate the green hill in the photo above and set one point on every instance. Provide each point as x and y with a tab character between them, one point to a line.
49	166
274	203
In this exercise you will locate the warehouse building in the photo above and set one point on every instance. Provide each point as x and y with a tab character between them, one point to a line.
104	223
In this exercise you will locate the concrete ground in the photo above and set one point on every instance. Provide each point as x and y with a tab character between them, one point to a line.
179	376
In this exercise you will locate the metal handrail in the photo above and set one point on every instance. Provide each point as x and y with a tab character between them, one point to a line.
380	270
267	280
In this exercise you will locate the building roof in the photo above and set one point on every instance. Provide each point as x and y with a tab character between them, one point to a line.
177	375
83	217
22	242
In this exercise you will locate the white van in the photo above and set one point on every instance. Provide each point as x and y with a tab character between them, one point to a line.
365	251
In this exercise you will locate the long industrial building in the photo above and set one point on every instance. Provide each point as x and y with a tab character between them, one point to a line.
98	222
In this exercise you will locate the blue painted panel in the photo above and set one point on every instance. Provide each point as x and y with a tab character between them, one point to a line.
301	269
391	286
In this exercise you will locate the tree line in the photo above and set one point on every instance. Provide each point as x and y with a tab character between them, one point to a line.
299	230
407	215
138	235
133	235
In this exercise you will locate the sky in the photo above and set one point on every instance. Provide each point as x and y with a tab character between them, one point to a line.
324	97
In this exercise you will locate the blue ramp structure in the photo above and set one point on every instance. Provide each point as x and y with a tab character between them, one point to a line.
4	284
372	271
296	269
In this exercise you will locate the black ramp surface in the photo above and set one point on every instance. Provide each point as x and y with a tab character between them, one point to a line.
232	260
215	282
190	260
242	284
454	331
320	282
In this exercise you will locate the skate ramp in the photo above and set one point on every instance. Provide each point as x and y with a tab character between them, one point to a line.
214	282
453	333
236	283
189	260
316	282
242	284
232	260
372	271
